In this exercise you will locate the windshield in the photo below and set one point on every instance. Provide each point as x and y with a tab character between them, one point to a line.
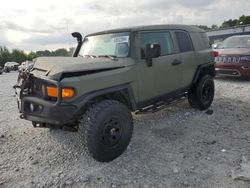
113	44
236	42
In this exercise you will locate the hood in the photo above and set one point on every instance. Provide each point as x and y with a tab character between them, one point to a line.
233	51
55	66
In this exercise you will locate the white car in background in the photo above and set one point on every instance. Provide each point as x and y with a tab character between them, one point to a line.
26	65
10	66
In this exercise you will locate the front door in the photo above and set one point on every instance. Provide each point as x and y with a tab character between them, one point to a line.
165	74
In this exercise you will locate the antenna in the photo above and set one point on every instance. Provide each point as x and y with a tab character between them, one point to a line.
68	34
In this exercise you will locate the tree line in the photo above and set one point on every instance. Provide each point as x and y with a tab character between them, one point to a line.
20	56
242	20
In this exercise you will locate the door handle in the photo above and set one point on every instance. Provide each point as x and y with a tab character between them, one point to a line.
176	62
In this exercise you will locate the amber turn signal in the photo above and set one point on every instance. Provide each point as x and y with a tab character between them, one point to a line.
68	92
52	91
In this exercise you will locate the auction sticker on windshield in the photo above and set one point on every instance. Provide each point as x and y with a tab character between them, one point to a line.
121	39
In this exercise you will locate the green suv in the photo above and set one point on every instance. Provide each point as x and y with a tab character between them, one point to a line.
113	73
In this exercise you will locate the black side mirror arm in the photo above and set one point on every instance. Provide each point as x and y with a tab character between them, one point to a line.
152	51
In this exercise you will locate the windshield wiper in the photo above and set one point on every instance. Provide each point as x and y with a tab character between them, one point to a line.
91	56
112	57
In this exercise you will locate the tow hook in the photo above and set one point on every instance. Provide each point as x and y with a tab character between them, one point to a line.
22	116
40	125
16	86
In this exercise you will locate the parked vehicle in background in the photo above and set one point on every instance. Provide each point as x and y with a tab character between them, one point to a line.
216	45
11	66
1	70
26	65
113	73
233	57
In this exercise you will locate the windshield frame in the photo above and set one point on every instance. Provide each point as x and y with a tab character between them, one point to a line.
107	33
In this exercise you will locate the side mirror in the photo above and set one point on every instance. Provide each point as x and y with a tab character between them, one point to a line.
152	51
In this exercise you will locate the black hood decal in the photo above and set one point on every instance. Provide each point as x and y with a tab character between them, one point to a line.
86	72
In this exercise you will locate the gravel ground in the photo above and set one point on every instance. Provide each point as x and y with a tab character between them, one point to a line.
175	147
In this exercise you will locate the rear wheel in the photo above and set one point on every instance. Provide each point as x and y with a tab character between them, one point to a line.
107	128
201	95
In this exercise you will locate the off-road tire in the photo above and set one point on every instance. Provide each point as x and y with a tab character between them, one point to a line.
201	95
107	129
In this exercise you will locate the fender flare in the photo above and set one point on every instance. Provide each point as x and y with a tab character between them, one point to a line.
125	89
209	67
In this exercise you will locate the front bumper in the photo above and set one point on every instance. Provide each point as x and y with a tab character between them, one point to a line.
39	110
235	70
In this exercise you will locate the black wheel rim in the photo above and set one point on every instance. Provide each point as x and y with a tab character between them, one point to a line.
207	91
112	132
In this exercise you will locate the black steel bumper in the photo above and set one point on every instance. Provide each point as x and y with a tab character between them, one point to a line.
41	111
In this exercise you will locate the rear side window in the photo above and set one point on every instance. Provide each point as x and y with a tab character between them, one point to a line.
184	41
205	40
162	38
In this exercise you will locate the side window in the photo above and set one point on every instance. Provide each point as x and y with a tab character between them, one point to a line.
162	38
205	40
184	41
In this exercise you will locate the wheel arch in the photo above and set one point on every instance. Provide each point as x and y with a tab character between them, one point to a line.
122	93
202	70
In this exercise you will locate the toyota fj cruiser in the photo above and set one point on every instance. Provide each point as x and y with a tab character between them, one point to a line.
113	73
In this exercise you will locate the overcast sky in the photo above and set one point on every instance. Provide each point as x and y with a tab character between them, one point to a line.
47	24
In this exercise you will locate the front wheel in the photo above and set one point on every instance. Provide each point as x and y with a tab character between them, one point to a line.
107	127
201	95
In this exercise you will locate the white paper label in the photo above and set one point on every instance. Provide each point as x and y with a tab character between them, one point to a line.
121	39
